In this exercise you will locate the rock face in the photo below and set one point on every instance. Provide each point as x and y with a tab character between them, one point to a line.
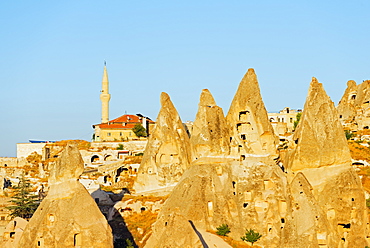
13	232
322	156
250	129
354	107
319	202
168	152
319	137
68	216
247	195
210	134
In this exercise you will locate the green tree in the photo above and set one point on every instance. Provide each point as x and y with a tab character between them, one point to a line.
24	204
139	130
251	236
223	230
297	118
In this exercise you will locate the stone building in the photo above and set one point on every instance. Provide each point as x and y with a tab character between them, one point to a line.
120	129
283	122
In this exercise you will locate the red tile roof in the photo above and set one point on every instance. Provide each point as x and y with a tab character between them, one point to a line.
123	122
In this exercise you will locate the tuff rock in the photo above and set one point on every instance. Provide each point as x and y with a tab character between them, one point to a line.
249	127
354	107
68	216
168	152
318	202
210	134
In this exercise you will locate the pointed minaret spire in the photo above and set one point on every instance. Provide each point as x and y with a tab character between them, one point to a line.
105	96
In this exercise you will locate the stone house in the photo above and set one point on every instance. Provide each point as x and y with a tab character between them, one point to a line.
120	129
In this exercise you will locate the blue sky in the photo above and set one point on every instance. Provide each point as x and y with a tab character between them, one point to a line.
52	56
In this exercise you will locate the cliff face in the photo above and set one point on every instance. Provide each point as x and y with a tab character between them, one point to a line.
168	152
210	135
250	129
318	202
68	216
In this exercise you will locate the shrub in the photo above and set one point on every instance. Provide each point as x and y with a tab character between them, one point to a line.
223	230
251	236
348	134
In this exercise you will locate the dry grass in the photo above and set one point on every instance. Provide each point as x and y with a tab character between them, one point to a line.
143	221
358	151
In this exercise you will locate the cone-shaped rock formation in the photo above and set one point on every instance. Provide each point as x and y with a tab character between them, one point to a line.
68	216
319	137
210	134
168	152
319	202
250	129
322	155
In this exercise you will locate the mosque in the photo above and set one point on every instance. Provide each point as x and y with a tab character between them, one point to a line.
118	129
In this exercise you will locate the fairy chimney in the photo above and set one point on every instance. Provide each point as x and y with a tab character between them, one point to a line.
250	129
68	216
319	137
167	154
210	134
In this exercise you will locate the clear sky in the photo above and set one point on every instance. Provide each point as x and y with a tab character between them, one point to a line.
53	52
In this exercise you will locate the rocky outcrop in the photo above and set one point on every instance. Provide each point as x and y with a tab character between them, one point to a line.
318	202
210	134
321	154
68	216
168	151
250	129
13	232
354	107
319	137
212	193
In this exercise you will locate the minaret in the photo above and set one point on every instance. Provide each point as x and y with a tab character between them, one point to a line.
105	96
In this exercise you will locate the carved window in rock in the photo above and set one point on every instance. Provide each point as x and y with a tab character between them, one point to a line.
77	242
40	242
94	158
353	97
244	115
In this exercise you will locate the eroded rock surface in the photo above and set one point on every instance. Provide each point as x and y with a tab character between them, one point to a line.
318	202
168	152
210	134
354	107
250	129
319	136
68	216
